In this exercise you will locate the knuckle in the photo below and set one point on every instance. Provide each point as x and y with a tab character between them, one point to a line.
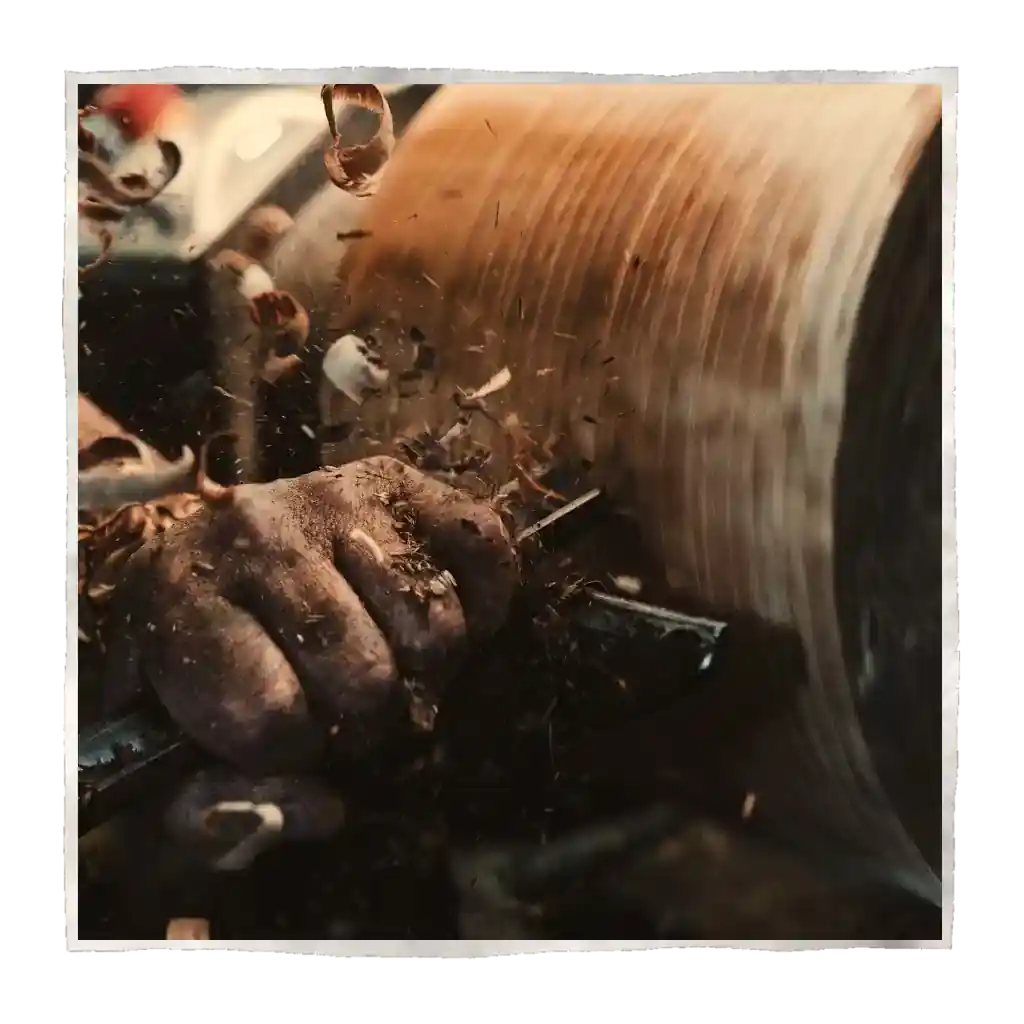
386	464
488	524
245	513
244	526
145	562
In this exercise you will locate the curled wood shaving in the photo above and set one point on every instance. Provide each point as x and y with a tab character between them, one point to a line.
263	230
128	495
123	483
282	319
113	485
247	274
209	490
106	196
500	380
354	367
114	448
188	929
276	367
106	239
285	326
106	545
283	314
127	190
105	548
271	823
357	169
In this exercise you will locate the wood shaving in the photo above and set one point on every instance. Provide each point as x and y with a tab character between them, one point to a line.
114	485
357	169
188	929
353	368
276	367
628	585
263	230
283	313
362	537
105	198
500	380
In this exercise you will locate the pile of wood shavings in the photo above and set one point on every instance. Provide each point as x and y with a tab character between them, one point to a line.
104	546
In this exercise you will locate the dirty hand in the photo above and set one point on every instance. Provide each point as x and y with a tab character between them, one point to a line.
297	610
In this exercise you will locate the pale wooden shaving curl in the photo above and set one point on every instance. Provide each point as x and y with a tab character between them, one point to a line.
111	487
500	380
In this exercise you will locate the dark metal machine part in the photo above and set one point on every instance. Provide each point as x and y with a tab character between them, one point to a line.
125	761
665	872
889	508
678	278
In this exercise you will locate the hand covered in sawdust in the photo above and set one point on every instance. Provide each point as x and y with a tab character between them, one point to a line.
299	610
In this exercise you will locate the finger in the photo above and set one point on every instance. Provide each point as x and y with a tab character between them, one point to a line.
220	677
123	681
122	672
340	654
417	609
416	605
464	536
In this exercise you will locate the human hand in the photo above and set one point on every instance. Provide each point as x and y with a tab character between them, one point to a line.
298	609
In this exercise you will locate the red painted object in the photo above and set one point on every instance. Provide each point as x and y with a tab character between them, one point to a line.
139	109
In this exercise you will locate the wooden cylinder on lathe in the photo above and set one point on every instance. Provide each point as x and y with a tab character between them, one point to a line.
728	297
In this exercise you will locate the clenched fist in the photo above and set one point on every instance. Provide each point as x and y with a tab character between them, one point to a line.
298	609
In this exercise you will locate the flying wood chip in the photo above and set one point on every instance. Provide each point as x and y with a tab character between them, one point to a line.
106	197
357	169
113	484
281	318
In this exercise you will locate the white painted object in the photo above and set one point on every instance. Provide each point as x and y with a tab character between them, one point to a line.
349	368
